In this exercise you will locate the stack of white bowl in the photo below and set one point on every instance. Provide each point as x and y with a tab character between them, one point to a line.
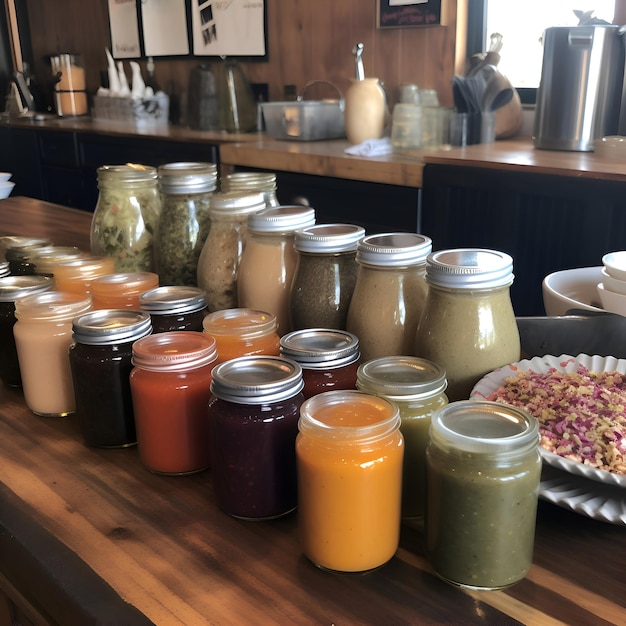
6	185
612	289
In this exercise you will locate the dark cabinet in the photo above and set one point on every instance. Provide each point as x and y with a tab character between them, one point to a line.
19	154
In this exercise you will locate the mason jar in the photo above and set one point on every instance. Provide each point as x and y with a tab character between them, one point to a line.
17	251
483	474
126	217
77	275
389	294
174	307
218	264
418	387
468	326
122	290
185	191
19	241
325	275
252	182
44	260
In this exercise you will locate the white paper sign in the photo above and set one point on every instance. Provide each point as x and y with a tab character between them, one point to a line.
164	25
124	29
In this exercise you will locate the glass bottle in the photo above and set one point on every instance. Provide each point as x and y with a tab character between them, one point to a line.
468	326
389	294
237	105
12	288
122	290
100	361
218	264
77	275
43	335
170	386
126	216
349	457
417	386
329	358
253	415
174	307
185	191
253	182
483	478
325	275
269	260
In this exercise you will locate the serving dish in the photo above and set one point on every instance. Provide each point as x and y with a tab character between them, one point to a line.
563	363
572	289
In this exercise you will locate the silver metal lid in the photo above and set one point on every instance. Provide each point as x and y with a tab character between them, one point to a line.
187	177
328	238
394	249
282	219
320	348
172	299
237	203
257	379
15	287
107	326
469	268
402	377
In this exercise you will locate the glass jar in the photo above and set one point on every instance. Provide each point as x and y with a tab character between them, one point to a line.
185	191
219	260
77	275
269	260
242	332
253	415
349	454
170	386
483	474
17	251
43	335
44	260
252	182
468	326
329	358
325	275
126	216
389	294
122	290
17	241
174	307
13	288
417	386
100	361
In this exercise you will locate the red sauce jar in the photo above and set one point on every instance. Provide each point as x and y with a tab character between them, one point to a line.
170	385
329	358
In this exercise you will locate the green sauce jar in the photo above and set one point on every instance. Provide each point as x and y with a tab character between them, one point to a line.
417	386
483	470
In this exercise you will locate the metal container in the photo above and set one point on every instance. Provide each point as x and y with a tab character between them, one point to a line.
578	100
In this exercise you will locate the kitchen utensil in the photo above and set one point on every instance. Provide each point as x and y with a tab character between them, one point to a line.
357	51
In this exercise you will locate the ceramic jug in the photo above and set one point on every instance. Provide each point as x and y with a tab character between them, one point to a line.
365	110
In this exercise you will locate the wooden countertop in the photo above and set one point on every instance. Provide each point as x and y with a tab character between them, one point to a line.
164	547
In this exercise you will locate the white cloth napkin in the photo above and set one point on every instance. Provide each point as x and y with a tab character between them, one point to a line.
371	147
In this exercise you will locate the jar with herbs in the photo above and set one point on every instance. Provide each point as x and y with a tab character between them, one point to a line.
126	217
253	182
185	190
389	294
325	275
218	265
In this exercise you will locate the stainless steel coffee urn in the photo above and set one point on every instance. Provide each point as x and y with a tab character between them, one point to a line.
580	93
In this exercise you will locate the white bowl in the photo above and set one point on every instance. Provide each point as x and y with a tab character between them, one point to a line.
611	301
4	176
613	284
615	264
572	289
6	188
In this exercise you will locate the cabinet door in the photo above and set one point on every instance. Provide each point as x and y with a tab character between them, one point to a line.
20	154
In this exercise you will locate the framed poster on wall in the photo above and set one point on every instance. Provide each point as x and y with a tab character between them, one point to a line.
407	13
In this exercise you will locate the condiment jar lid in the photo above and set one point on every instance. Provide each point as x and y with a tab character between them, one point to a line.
14	287
16	241
52	306
126	174
187	177
257	379
44	258
237	203
469	268
130	281
177	350
108	326
484	427
401	377
324	238
172	299
22	247
320	348
394	249
281	219
242	322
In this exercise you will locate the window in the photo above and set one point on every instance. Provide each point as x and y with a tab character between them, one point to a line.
521	29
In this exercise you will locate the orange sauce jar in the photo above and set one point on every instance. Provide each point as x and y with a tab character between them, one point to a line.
122	290
242	332
349	455
77	275
171	387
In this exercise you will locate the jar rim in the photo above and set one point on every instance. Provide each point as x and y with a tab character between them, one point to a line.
327	238
281	219
52	305
14	287
320	348
240	321
171	299
469	268
177	351
394	249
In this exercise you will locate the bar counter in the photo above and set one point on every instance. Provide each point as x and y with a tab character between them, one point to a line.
89	536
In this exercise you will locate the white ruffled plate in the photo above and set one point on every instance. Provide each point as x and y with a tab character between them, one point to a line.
564	363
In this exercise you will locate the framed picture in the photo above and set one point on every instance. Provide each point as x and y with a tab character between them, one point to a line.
409	13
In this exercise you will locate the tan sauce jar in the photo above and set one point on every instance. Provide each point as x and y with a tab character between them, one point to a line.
389	294
468	326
